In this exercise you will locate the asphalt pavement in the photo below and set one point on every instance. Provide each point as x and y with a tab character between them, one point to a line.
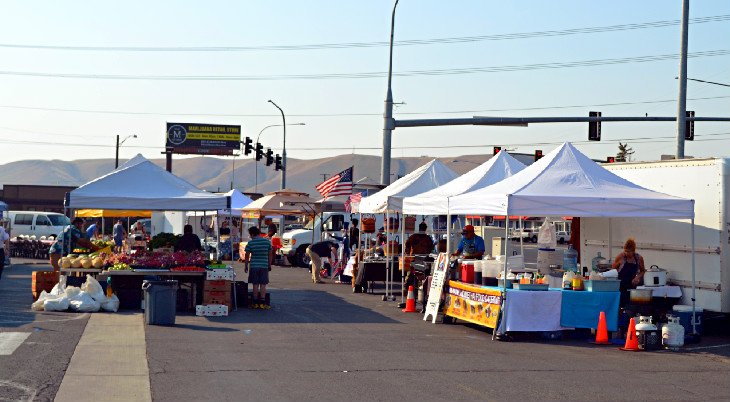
33	370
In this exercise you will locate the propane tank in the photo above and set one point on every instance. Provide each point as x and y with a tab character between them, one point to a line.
647	334
672	334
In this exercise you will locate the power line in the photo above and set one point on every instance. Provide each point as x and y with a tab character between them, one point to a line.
115	112
376	74
350	45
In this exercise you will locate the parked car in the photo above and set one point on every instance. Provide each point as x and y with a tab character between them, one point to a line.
562	236
36	223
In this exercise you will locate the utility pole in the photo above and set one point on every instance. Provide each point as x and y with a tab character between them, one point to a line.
324	176
682	101
388	122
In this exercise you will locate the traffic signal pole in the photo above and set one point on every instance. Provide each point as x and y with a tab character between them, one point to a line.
682	99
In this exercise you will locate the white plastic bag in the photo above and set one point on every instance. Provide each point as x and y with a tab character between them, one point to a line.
60	288
83	302
94	289
57	304
38	304
546	237
72	292
111	304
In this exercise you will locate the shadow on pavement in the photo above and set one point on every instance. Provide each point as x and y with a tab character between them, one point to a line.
15	296
307	306
204	328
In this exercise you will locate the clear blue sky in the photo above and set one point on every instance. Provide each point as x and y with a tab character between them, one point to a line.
342	114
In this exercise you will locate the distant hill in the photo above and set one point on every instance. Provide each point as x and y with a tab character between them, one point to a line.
215	174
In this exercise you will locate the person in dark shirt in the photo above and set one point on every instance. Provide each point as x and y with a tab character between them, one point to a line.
316	252
354	235
189	240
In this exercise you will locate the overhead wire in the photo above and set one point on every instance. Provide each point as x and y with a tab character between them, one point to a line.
349	45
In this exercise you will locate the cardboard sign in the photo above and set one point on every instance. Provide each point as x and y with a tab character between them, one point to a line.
437	287
473	303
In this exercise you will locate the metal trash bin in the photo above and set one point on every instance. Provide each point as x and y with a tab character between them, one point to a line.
160	302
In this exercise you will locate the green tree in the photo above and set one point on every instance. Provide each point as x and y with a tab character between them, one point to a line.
624	152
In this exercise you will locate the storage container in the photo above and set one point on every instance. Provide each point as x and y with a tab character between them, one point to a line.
160	302
684	312
467	271
608	285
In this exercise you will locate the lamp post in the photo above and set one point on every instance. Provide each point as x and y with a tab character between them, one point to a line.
119	144
256	186
388	123
283	148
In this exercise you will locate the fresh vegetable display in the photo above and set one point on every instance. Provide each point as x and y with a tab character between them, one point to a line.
187	269
120	267
163	240
149	259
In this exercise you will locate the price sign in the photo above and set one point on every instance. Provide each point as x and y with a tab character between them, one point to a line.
437	287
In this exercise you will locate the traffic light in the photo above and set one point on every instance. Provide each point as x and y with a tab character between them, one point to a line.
277	163
269	156
594	127
247	146
259	151
689	127
496	150
610	159
538	154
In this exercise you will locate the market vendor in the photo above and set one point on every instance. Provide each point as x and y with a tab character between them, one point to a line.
630	267
471	246
419	243
189	241
70	238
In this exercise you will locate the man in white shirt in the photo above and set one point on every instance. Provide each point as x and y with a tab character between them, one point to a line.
3	239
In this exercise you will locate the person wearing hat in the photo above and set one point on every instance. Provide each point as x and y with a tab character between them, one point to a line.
471	245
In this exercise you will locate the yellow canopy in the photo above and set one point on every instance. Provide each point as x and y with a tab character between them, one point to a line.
112	213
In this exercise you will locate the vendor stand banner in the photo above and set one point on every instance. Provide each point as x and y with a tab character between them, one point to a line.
203	139
474	304
437	285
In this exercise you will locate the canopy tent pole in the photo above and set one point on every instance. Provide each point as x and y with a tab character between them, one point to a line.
359	247
694	321
388	273
610	240
102	227
504	272
448	235
522	229
481	226
402	255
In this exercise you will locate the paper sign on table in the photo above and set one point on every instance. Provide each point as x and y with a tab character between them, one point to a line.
220	274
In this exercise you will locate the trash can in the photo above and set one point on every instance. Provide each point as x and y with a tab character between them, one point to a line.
160	302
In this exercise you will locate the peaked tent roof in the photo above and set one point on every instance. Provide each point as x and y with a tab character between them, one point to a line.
435	202
283	202
567	183
135	160
425	178
144	186
238	201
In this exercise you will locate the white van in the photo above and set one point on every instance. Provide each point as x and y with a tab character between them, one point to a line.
37	223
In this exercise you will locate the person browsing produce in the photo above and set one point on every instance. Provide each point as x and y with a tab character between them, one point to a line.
189	241
119	235
630	267
70	238
471	245
258	258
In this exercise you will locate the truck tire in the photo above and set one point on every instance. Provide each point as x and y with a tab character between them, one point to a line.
302	259
292	260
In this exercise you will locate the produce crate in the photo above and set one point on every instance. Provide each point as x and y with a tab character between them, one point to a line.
217	285
241	289
606	285
216	297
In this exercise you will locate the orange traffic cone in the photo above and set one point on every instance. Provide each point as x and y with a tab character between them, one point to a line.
601	331
410	302
632	344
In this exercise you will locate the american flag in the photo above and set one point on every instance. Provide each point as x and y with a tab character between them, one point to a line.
339	184
353	199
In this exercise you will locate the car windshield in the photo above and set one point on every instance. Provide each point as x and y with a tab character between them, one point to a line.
59	220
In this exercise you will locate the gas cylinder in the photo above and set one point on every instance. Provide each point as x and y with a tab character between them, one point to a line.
647	334
672	334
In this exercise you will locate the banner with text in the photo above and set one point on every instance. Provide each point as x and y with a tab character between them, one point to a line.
203	139
474	304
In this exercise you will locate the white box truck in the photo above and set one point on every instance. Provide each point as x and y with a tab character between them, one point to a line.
667	242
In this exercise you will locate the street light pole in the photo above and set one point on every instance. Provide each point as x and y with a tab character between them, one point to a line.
119	144
256	186
388	123
682	103
283	148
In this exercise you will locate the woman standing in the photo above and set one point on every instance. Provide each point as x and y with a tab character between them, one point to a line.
630	267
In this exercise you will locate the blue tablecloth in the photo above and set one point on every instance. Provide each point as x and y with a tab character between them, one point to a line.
581	309
578	309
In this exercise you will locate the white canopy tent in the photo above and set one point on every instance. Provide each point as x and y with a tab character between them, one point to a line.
144	185
238	202
435	202
567	183
390	199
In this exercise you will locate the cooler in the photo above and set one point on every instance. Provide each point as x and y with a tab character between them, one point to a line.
684	312
467	271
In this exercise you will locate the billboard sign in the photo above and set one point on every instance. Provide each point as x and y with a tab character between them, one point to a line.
203	139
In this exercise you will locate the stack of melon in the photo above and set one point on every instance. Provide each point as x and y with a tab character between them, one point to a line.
82	261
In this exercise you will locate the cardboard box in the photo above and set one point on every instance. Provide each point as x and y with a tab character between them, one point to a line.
220	285
216	297
211	310
220	274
